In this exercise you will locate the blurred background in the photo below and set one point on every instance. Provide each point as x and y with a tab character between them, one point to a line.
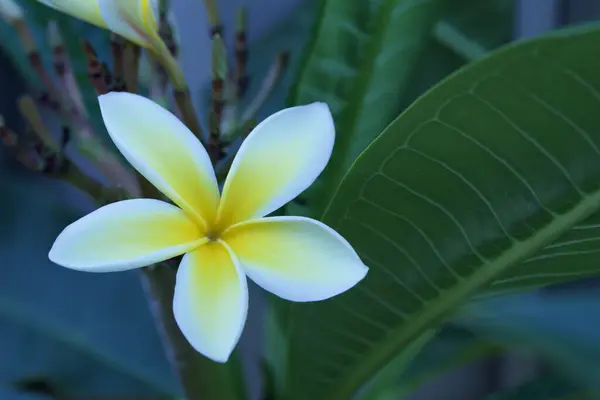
76	333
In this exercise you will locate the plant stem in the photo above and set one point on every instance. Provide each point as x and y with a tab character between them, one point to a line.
241	54
267	86
131	64
219	75
159	284
458	42
188	114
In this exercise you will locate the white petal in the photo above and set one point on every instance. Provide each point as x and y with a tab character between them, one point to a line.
280	158
132	19
125	235
211	300
298	259
10	10
87	10
164	150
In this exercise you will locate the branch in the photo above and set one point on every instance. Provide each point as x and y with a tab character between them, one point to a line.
241	54
219	75
267	86
95	71
213	18
131	66
117	44
62	67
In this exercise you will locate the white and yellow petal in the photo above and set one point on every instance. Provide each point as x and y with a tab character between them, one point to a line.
211	300
87	10
125	235
164	150
10	10
280	158
133	19
296	258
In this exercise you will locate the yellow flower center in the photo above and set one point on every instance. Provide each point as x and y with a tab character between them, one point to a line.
213	236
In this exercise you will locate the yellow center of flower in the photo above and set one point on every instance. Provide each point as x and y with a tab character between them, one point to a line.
213	236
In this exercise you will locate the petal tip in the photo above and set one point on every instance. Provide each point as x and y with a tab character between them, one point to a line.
218	354
362	273
322	109
52	254
354	276
220	358
110	96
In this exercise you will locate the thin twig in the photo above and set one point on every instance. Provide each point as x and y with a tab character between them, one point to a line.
167	33
24	155
159	79
269	83
241	54
188	113
219	75
216	28
7	136
94	68
131	64
223	169
117	44
31	114
62	67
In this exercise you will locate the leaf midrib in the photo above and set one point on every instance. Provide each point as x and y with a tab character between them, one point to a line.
401	336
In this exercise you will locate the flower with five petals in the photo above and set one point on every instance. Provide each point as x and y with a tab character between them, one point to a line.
224	237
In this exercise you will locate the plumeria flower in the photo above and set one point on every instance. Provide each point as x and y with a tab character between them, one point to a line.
132	19
225	237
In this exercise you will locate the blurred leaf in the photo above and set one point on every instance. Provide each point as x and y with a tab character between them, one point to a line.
383	385
87	334
14	394
468	27
39	386
437	63
547	387
450	349
487	23
467	187
561	326
275	357
359	62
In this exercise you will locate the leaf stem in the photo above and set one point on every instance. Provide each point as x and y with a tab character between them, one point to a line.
458	42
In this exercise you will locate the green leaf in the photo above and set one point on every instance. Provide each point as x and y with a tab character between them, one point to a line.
474	184
560	326
359	63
